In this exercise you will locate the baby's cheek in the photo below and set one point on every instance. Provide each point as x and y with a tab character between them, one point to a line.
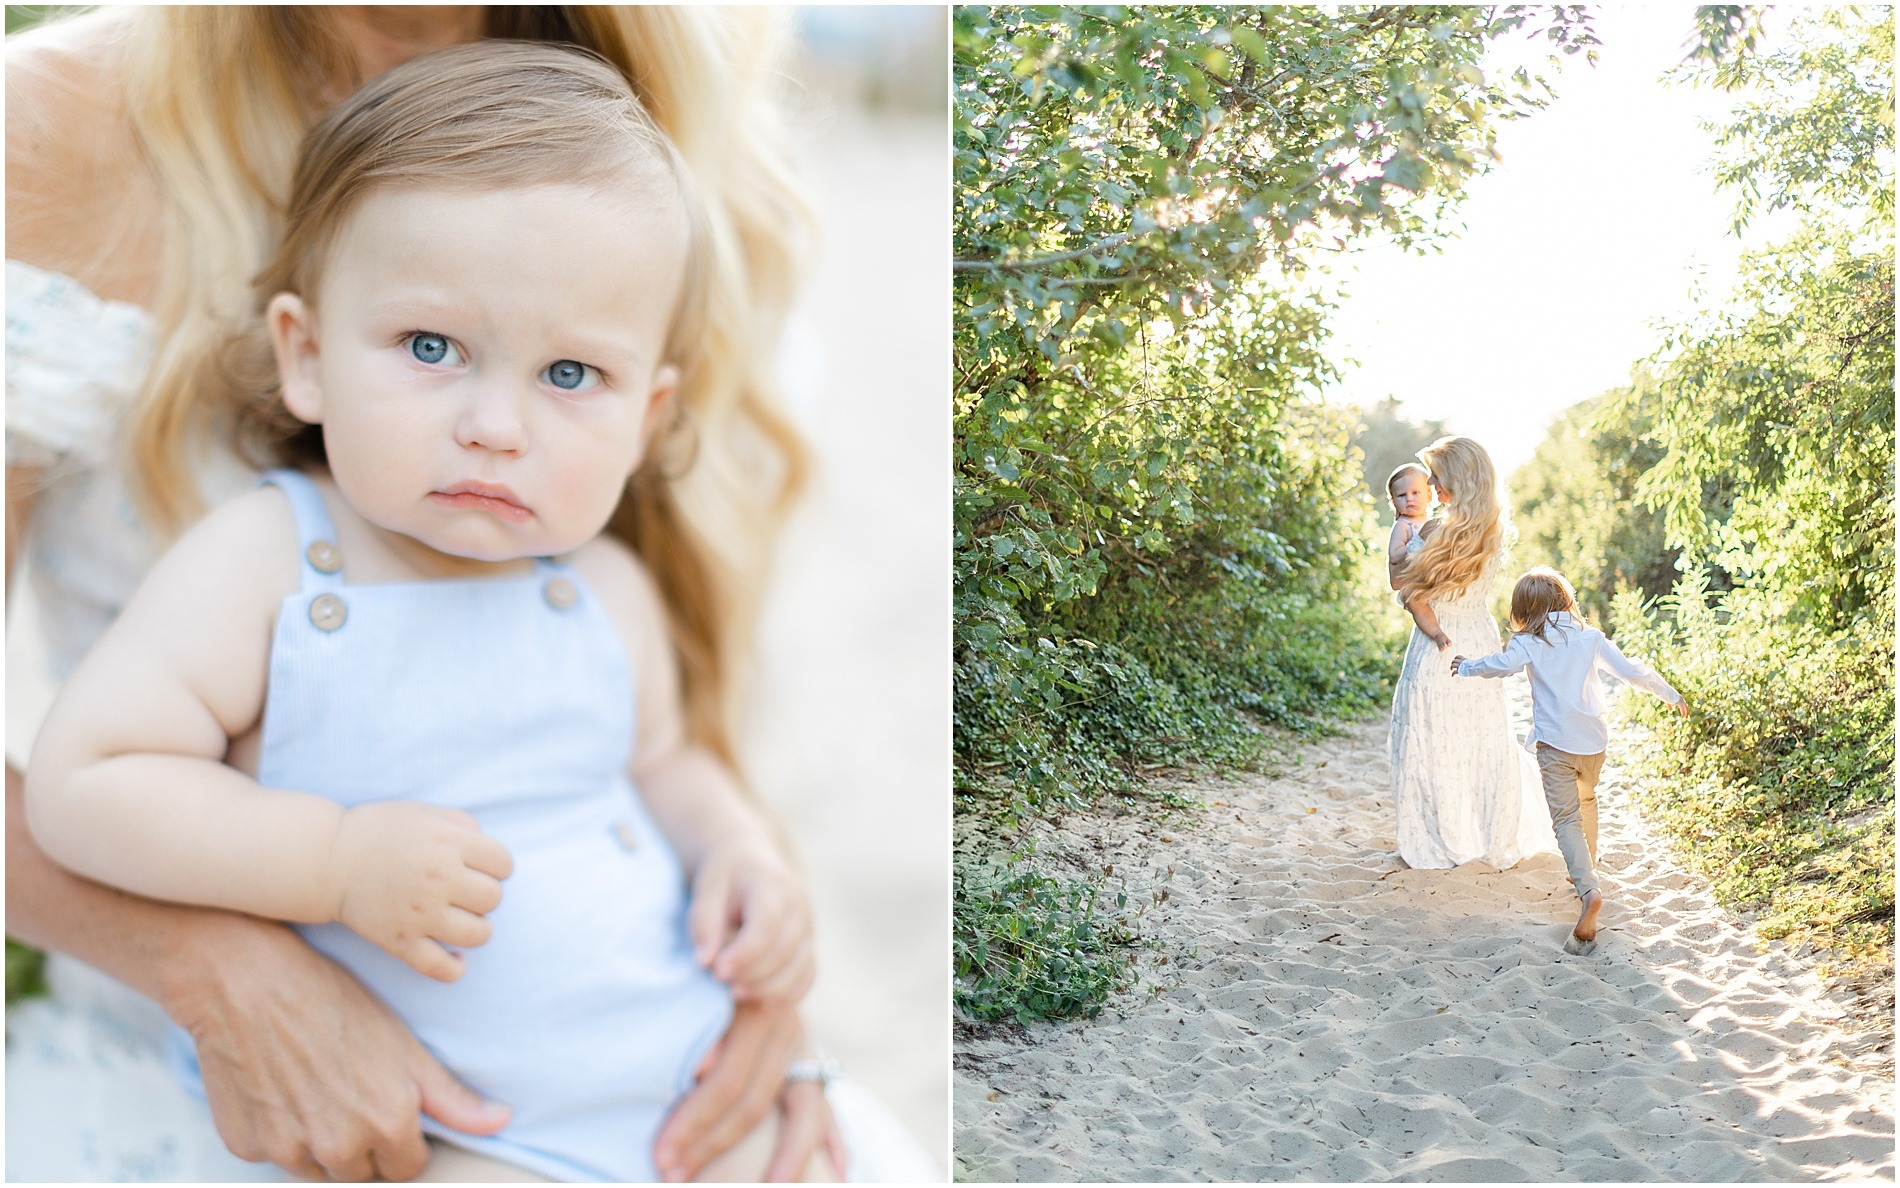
589	490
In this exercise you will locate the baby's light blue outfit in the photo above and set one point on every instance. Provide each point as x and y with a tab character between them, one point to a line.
510	699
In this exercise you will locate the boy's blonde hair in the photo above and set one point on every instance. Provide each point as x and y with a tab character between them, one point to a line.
1405	468
1538	595
1474	530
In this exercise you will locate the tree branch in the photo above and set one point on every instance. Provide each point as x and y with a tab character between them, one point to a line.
1031	263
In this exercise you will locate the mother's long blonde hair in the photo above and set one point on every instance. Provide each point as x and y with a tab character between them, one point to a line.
219	99
1474	530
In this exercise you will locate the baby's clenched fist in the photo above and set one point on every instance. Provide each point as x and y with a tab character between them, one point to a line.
418	881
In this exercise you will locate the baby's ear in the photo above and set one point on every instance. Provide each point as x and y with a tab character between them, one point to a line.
293	336
660	397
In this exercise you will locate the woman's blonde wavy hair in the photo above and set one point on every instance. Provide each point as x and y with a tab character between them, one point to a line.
220	98
1473	532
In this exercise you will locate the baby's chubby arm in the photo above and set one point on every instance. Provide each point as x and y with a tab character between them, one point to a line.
128	784
1427	620
750	918
1402	532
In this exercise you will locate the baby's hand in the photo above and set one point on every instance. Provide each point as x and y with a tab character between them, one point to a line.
416	879
1682	707
1455	662
751	922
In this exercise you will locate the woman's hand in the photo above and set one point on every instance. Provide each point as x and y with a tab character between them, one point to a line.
739	1080
750	921
304	1067
806	1124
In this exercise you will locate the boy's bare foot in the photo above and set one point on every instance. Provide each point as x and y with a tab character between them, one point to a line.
1583	936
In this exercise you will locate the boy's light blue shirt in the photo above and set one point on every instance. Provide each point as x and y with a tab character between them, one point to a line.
1566	700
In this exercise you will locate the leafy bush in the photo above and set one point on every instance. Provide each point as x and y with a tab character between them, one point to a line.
25	967
1779	789
1032	947
1772	418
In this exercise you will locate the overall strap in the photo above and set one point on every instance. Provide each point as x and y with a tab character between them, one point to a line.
321	565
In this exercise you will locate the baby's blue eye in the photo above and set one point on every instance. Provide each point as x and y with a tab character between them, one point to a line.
429	348
571	376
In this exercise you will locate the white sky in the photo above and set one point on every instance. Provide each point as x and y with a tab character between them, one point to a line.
1590	230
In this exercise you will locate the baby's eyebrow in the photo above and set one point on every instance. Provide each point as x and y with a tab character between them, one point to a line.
417	305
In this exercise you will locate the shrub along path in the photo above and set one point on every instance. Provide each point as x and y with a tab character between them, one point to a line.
1315	1010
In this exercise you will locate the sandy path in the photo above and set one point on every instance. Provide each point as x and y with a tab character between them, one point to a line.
1325	1013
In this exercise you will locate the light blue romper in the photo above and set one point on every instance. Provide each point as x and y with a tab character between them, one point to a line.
586	1011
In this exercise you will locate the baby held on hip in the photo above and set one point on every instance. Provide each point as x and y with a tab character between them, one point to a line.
1569	734
490	368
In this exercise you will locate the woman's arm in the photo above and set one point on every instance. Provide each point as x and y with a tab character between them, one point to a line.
302	1066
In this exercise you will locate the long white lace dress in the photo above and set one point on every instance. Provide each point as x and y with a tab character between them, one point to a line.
91	1094
1465	791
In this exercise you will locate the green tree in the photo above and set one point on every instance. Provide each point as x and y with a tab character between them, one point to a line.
1784	393
1782	397
1575	503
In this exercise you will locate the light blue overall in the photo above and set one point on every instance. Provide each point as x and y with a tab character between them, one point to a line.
585	1012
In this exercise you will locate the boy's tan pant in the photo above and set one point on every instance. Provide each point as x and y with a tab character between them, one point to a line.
1570	789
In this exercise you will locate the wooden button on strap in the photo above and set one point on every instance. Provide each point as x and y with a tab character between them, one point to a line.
560	593
327	612
323	556
626	835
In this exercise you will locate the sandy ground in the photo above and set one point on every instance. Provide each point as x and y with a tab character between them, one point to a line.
850	736
1316	1010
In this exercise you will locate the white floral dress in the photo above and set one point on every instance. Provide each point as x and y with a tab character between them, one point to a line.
1463	789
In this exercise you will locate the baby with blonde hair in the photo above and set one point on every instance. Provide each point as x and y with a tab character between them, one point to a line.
1409	488
1568	732
412	666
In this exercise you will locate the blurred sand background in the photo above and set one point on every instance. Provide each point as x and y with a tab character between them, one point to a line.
848	730
850	733
1315	1010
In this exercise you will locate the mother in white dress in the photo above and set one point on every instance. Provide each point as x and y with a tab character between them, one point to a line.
1465	791
146	153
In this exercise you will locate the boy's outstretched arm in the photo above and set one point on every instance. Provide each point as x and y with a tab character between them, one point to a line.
128	784
1515	658
1638	675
